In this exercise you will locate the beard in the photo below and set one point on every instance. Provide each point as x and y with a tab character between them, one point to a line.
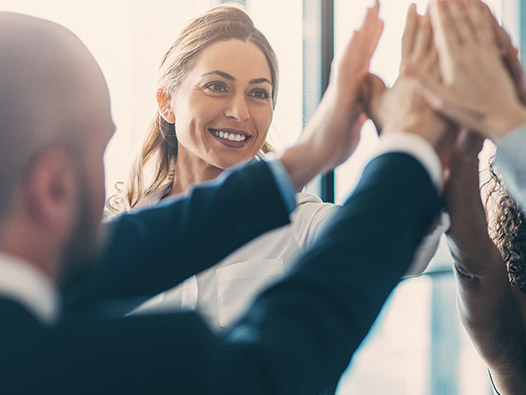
79	251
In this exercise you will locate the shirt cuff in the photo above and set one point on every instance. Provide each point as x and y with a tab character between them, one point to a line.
415	146
288	193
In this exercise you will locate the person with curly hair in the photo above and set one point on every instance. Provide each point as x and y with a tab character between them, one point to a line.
480	87
507	226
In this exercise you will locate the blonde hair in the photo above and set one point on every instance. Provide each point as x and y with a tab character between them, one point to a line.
225	22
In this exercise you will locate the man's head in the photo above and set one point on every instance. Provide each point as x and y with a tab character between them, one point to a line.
55	123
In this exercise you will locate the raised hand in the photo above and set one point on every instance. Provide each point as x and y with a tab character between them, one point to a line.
402	108
474	88
333	133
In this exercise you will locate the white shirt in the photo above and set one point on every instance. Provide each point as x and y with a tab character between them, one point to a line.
20	282
224	292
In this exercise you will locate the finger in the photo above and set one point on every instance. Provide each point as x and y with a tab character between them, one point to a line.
372	91
457	12
363	42
481	20
372	27
447	38
408	38
517	74
432	64
424	42
371	19
503	40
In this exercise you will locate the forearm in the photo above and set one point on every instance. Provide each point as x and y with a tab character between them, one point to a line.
467	237
491	316
300	167
494	323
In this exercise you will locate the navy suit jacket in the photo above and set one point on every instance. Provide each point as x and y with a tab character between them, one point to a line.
297	338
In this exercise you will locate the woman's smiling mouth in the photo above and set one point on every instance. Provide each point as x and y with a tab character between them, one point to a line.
230	138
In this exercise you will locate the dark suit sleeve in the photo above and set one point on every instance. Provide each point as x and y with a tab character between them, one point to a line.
297	338
301	333
154	249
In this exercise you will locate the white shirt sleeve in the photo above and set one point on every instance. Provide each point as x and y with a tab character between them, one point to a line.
511	161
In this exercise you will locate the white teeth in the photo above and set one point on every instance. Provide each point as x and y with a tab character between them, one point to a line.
230	136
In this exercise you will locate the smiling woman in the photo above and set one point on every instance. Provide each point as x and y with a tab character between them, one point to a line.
194	73
222	111
216	95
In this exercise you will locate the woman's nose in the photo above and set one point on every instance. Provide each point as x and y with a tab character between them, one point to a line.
237	108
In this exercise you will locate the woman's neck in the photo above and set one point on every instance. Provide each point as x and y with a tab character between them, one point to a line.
191	169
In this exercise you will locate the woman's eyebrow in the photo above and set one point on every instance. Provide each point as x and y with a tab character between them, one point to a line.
260	80
232	78
222	74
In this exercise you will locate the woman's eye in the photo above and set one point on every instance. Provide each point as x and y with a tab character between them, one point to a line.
216	87
260	93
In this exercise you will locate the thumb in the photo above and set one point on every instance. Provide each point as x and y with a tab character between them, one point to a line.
372	91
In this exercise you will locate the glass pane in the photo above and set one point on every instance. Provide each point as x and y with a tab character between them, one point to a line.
284	30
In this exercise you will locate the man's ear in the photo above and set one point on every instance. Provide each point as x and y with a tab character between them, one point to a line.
52	191
164	102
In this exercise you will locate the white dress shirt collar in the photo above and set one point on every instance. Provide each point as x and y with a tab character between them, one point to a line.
22	283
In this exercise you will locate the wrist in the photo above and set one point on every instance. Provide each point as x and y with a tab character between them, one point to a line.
300	164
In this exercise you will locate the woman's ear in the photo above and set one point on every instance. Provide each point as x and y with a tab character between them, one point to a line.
164	102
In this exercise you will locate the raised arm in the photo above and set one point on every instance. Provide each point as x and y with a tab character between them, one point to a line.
333	133
477	91
491	309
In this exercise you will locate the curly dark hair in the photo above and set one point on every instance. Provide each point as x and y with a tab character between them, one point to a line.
507	229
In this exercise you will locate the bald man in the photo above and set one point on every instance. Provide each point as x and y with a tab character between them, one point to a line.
298	336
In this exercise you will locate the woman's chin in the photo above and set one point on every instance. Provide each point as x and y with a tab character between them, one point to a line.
226	163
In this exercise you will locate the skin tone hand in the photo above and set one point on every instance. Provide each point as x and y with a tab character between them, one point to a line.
491	310
510	57
402	108
476	90
333	133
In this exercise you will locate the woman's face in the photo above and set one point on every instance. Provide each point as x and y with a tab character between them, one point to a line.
223	107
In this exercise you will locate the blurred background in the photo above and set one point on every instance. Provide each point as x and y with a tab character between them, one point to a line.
417	345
